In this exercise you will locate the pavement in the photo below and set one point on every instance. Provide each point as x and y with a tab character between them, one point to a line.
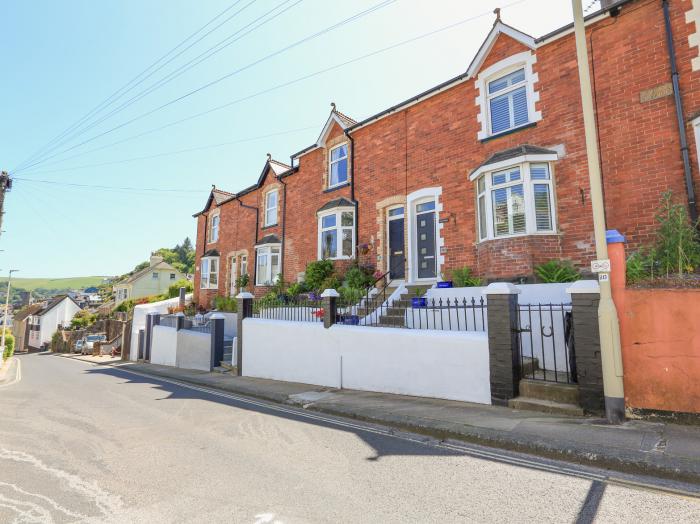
637	446
85	442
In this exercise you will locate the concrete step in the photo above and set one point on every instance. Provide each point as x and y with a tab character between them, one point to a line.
552	391
545	406
220	369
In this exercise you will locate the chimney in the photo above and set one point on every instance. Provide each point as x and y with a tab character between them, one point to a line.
155	259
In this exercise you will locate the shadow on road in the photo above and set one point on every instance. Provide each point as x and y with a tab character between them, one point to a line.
382	444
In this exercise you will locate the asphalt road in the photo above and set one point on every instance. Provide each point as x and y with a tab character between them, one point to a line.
80	442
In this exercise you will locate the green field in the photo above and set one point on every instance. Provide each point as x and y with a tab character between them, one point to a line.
30	284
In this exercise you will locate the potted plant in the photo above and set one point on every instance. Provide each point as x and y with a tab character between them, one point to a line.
444	283
419	301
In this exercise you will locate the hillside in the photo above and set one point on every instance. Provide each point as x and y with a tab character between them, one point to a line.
31	284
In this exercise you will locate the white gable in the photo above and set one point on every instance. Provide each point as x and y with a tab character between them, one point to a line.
498	28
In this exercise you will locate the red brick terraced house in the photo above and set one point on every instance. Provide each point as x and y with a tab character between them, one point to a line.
486	170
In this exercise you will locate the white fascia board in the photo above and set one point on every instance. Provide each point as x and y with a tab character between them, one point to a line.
512	162
485	48
326	128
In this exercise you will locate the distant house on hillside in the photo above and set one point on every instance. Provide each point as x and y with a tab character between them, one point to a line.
58	312
20	323
153	280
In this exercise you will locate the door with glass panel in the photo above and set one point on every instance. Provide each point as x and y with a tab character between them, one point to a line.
426	262
397	259
233	261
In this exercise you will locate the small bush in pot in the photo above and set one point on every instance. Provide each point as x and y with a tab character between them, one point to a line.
557	271
462	277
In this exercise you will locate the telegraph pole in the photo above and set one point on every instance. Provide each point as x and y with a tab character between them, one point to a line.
7	306
5	185
610	352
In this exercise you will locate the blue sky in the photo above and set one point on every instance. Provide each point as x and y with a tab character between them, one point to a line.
62	59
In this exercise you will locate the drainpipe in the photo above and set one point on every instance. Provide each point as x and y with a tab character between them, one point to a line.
352	196
679	113
284	223
257	223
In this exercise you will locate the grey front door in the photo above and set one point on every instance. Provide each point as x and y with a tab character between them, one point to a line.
396	248
425	244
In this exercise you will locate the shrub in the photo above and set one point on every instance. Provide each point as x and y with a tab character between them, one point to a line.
242	281
174	289
462	277
351	295
638	267
317	273
9	344
83	319
332	282
359	278
296	289
227	304
677	247
556	271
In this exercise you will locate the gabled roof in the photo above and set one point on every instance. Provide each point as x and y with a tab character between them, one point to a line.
338	202
335	117
55	301
523	153
27	311
217	195
136	276
278	168
498	29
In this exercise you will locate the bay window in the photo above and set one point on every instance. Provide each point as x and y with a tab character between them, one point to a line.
336	234
338	166
209	273
515	201
267	264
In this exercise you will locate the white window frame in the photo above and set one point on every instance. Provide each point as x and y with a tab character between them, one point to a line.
205	273
505	91
338	212
214	225
269	208
524	60
331	162
528	195
696	128
268	279
155	275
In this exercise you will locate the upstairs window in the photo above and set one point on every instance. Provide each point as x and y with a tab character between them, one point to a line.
507	102
515	201
154	276
214	228
271	208
338	168
337	235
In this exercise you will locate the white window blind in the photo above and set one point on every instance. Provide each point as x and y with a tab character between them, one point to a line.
508	102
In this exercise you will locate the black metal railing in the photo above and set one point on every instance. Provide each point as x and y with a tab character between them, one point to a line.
546	342
297	309
444	314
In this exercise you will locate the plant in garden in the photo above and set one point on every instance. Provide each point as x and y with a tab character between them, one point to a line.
351	295
677	247
638	267
226	304
83	319
462	277
9	344
359	278
174	289
556	271
296	289
242	281
317	273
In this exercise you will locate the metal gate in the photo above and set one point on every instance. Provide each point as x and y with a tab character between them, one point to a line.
545	340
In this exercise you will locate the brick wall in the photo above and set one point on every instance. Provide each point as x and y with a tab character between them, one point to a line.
433	143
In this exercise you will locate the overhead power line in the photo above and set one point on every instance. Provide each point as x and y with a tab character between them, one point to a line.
119	188
208	53
167	153
382	4
300	79
128	86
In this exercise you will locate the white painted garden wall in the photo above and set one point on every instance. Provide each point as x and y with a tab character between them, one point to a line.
164	346
439	364
550	351
193	350
139	320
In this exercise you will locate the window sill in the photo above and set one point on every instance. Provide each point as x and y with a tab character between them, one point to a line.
519	235
334	188
269	226
508	132
338	258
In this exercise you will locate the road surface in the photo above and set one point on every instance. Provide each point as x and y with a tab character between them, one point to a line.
82	442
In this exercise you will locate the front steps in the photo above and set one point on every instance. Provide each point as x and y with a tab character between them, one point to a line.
548	397
395	314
